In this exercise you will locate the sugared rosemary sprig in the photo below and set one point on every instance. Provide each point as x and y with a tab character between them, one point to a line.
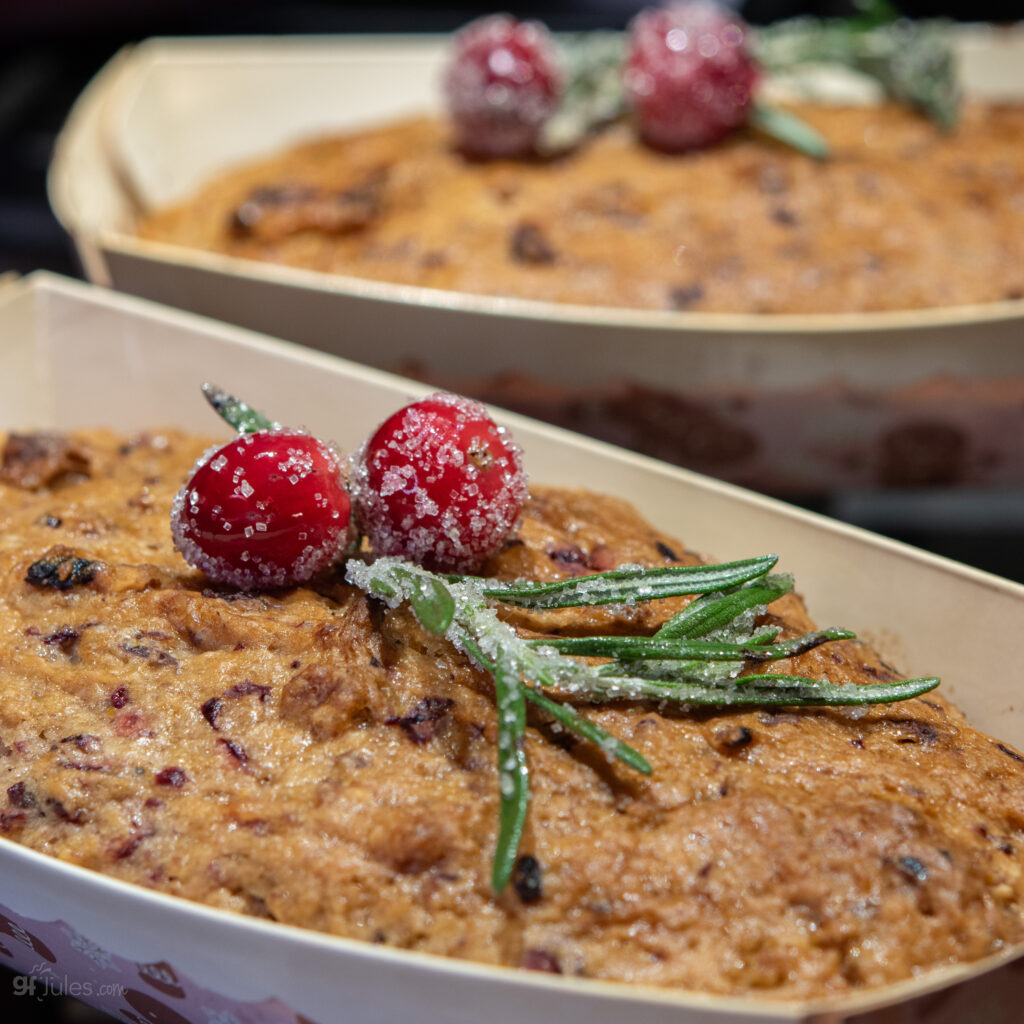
593	94
913	61
694	660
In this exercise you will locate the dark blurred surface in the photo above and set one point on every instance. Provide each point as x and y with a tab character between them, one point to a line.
40	1008
49	49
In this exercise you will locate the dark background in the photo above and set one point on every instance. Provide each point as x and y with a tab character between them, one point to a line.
49	49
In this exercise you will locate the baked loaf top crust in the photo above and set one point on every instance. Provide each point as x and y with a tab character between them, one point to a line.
903	216
312	757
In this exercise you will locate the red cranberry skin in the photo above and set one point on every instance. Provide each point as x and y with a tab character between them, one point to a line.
267	509
502	83
689	74
439	483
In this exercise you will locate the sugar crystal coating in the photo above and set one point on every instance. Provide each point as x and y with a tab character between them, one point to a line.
688	74
268	509
439	483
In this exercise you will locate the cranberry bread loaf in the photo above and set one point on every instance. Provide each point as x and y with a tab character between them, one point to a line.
313	757
902	216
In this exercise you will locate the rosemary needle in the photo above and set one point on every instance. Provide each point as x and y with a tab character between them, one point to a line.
627	584
513	773
714	612
235	412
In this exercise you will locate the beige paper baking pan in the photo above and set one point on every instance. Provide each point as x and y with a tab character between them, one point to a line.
74	355
787	404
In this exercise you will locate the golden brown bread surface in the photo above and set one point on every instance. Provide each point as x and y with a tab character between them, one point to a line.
903	216
314	758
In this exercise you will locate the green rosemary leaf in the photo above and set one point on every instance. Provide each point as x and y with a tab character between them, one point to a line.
718	673
912	61
785	127
918	67
705	673
711	612
513	774
379	583
584	728
796	691
765	691
765	637
593	94
635	648
873	13
628	584
430	599
235	412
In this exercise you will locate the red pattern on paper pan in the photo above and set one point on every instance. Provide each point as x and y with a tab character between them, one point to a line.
53	956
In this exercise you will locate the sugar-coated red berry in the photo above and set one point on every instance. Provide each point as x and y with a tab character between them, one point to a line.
439	483
268	509
689	74
502	83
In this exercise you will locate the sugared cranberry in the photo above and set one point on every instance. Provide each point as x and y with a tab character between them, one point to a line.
439	483
502	83
268	509
689	74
